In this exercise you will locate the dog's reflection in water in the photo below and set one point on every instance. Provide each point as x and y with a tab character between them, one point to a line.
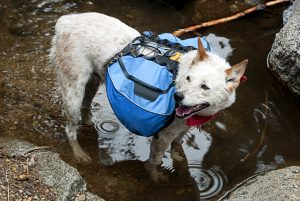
181	167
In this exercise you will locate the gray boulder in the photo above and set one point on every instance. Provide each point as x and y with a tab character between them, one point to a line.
53	171
284	57
277	185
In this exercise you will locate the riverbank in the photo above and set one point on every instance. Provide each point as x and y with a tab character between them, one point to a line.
28	172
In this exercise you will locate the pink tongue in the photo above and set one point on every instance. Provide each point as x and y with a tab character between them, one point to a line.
182	110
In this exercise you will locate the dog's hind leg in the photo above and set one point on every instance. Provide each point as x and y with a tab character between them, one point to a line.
73	72
91	89
73	97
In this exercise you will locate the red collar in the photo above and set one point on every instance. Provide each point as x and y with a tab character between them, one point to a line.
243	79
197	120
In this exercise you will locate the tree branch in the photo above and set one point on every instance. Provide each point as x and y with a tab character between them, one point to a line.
226	19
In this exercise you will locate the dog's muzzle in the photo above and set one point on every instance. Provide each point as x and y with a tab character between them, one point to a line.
178	96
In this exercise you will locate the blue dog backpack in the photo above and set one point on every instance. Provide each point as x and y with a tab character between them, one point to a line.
140	81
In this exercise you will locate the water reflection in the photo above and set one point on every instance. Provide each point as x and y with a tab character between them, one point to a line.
210	181
267	117
220	45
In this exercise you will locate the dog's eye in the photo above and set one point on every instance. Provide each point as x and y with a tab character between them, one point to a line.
204	87
188	78
230	80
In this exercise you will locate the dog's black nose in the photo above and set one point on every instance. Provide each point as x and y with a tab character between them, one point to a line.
178	96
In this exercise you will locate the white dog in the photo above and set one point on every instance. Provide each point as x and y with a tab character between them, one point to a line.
83	45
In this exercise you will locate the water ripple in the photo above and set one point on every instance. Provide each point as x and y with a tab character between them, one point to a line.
209	181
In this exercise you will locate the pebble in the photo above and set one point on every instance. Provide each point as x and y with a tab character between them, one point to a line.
233	8
28	193
80	197
31	161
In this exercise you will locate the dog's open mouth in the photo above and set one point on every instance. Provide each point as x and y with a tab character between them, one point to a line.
183	111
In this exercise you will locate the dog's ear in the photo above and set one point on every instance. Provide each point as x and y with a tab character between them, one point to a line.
201	54
234	74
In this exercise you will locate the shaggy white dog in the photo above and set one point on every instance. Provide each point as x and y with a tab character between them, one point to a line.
82	46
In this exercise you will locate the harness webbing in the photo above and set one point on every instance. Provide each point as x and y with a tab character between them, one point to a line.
166	59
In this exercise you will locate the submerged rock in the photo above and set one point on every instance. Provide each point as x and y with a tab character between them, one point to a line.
284	58
277	185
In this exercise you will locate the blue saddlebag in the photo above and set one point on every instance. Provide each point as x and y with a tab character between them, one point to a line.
140	85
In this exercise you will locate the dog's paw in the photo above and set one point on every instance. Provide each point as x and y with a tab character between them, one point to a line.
154	173
176	156
82	156
79	154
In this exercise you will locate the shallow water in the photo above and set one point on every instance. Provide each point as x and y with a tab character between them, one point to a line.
259	133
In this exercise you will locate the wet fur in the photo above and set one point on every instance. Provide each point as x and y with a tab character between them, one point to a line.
82	46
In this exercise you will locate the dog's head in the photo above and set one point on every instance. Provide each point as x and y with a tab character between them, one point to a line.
206	83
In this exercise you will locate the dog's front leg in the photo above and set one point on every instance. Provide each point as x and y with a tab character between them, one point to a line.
159	145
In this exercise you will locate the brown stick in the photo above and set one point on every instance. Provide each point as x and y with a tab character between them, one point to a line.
24	153
27	167
226	19
227	193
262	138
263	133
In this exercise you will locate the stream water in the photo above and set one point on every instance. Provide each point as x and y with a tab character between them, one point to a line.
258	133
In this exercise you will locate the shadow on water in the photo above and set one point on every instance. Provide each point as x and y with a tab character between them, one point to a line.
256	134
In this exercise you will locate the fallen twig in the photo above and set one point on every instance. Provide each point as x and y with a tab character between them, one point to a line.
239	185
254	151
24	153
263	133
27	167
226	19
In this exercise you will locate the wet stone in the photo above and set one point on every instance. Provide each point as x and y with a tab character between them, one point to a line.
284	58
275	185
52	171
